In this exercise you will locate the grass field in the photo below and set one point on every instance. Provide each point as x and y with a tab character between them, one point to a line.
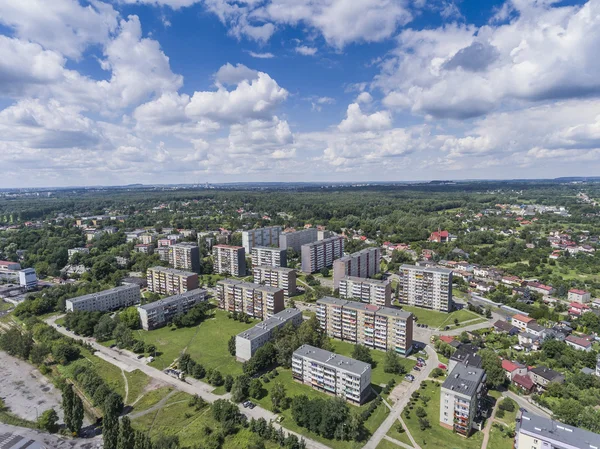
151	398
206	343
136	382
436	319
437	436
499	440
5	306
402	437
385	444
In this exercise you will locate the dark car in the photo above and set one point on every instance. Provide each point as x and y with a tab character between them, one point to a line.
251	405
416	368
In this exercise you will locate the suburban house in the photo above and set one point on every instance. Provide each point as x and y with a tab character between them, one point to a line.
529	342
540	288
523	382
542	376
535	329
440	237
521	321
580	296
581	344
502	326
513	368
578	309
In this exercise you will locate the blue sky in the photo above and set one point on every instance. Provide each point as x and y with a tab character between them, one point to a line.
163	91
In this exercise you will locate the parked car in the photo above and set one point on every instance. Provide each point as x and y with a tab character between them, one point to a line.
416	368
409	377
442	366
246	404
251	405
140	356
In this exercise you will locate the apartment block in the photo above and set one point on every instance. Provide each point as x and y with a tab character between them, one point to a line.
580	296
534	431
321	254
278	277
229	259
258	301
185	256
426	287
115	298
376	327
158	313
247	342
296	239
371	291
362	264
169	281
332	373
261	237
263	255
461	397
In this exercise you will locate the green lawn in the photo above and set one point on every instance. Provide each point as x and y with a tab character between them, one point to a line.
5	306
385	444
206	343
136	381
436	319
151	398
437	437
499	440
402	437
509	417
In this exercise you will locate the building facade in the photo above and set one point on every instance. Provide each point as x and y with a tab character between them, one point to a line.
430	288
371	291
295	240
257	301
112	299
229	259
185	256
157	314
169	281
580	296
278	277
534	431
460	399
376	327
321	254
247	342
262	255
268	236
332	373
362	264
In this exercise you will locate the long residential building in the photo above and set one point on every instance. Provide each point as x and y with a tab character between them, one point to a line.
332	373
263	255
268	236
247	342
534	431
381	328
371	291
362	264
115	298
185	256
158	313
278	277
229	259
295	240
257	301
430	288
461	398
169	281
321	254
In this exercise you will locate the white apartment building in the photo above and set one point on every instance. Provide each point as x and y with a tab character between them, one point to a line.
278	277
321	254
229	259
115	298
580	296
169	281
430	288
296	239
257	301
263	255
362	264
247	342
371	291
268	236
185	256
534	431
158	313
332	373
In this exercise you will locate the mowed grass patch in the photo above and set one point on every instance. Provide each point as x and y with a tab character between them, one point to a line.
400	436
151	398
136	381
386	444
499	440
435	319
206	343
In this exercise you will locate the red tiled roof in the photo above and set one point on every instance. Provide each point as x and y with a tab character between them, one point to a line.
509	366
446	338
578	341
577	292
523	318
523	381
576	305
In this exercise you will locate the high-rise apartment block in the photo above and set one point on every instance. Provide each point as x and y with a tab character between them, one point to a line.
278	277
321	254
185	256
229	259
115	298
257	301
332	373
169	281
296	239
262	255
371	291
247	342
430	288
158	313
362	264
461	398
261	237
382	328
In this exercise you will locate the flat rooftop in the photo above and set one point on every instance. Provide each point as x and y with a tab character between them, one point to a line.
320	242
268	248
364	280
172	271
549	429
464	379
333	360
271	268
359	253
105	292
243	284
270	323
172	299
426	269
356	305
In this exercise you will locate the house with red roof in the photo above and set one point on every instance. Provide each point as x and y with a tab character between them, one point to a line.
521	321
512	369
523	382
580	296
440	236
446	338
578	309
540	288
580	344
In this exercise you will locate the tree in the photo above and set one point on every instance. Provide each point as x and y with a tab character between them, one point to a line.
392	363
141	441
68	399
278	394
420	412
48	421
256	389
113	405
324	272
493	368
216	378
78	413
240	388
104	329
228	382
126	438
231	345
65	352
130	317
362	353
488	313
123	336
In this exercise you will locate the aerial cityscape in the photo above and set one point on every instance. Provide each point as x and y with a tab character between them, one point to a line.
322	224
